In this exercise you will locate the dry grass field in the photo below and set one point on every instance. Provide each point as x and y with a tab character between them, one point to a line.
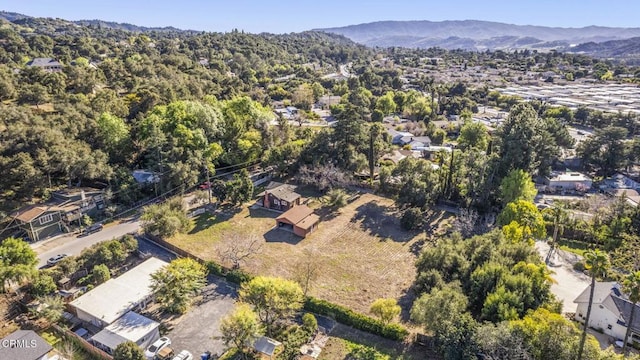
360	250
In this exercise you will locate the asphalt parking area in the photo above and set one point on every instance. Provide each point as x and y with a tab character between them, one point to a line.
199	330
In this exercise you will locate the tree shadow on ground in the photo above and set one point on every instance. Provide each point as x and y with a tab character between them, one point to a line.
381	221
282	236
259	212
406	301
327	213
207	219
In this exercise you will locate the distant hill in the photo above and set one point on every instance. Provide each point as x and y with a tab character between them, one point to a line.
628	49
26	19
477	35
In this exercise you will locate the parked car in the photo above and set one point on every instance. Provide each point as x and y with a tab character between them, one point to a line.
158	345
93	228
183	355
55	259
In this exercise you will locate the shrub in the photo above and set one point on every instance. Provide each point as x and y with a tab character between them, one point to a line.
358	321
412	219
309	322
579	266
238	276
213	268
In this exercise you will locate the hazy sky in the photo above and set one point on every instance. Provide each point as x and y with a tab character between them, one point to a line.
280	16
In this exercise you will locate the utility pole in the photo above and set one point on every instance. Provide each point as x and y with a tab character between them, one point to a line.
208	184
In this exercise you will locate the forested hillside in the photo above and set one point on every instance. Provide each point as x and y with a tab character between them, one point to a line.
94	120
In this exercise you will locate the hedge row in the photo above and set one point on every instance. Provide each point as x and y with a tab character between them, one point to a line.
359	321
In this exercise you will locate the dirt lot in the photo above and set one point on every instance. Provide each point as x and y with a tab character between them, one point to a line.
361	251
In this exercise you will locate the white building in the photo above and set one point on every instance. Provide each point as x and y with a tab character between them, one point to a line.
610	311
569	181
130	327
107	302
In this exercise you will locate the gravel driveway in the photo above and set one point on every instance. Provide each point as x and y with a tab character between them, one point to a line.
570	283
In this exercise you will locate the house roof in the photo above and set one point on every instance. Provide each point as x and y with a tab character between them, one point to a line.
569	176
308	222
42	62
296	214
29	346
144	176
131	326
282	191
602	290
416	139
624	307
266	345
117	296
29	213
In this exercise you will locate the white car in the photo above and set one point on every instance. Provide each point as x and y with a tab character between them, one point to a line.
158	345
54	260
183	355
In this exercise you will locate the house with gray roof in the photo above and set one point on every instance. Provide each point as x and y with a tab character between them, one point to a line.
46	64
25	345
278	196
610	312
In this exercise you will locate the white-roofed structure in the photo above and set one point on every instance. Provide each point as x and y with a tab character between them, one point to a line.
109	301
130	327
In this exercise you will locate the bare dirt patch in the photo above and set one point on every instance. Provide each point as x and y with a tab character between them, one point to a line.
362	252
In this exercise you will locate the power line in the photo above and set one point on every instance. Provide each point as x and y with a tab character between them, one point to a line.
152	200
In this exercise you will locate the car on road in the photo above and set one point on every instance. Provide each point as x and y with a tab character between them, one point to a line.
205	185
183	355
92	229
158	345
55	259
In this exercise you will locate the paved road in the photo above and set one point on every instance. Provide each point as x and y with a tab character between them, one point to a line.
73	245
569	283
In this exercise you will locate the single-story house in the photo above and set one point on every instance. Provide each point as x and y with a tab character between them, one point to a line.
266	347
397	136
632	196
46	64
300	220
569	181
416	142
279	196
109	301
130	327
619	181
610	312
145	177
25	345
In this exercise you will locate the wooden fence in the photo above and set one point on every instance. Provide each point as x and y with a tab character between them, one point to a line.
84	344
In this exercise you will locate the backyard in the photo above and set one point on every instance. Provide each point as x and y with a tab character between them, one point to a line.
361	252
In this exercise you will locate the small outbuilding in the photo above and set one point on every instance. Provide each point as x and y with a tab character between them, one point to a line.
267	348
300	220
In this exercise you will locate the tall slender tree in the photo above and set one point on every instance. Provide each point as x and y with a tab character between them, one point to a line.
597	262
631	286
557	215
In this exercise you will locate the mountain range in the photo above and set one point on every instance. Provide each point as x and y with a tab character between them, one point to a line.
486	35
597	41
